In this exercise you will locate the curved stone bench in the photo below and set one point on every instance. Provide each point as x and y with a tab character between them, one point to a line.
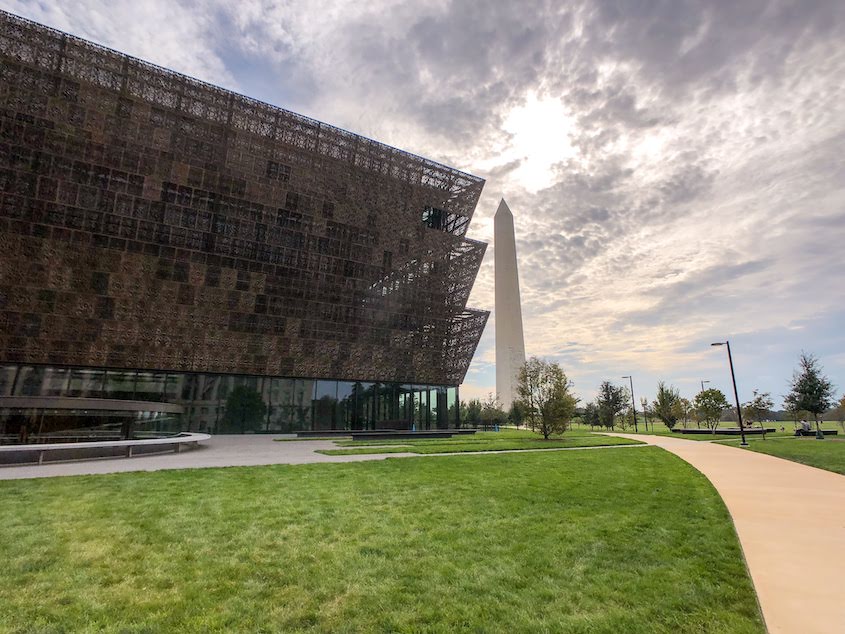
189	439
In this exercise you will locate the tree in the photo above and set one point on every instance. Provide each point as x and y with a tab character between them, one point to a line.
472	414
685	407
546	394
491	410
516	415
667	405
839	413
709	405
810	390
611	401
758	409
244	409
591	415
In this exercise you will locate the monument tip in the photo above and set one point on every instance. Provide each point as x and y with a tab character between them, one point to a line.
503	207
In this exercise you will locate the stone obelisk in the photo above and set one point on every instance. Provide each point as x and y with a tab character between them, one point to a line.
510	344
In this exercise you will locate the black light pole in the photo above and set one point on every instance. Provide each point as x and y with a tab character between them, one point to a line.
736	395
703	382
634	404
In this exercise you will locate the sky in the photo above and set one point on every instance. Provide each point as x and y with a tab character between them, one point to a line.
676	169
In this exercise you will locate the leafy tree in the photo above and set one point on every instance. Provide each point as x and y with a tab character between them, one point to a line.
516	415
491	410
546	393
758	409
810	390
472	415
709	405
591	415
795	413
685	408
839	413
667	405
611	401
245	409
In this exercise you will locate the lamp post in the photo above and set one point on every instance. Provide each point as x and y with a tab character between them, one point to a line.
736	395
634	404
703	382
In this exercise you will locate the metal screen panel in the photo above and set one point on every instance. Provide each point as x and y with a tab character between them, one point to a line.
150	220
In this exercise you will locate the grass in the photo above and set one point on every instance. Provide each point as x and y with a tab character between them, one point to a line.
505	440
581	542
826	454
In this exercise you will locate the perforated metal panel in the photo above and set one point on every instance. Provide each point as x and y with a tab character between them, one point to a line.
150	220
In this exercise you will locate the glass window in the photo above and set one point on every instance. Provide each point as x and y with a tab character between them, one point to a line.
173	387
7	379
323	404
407	407
440	415
86	383
120	385
452	403
421	406
55	382
29	381
189	385
345	412
365	401
303	395
149	386
390	402
244	409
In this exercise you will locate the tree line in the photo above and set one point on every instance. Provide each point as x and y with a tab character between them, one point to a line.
547	404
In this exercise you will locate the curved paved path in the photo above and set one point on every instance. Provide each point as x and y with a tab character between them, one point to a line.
790	519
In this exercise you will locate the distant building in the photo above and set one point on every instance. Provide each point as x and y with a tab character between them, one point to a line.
510	344
165	241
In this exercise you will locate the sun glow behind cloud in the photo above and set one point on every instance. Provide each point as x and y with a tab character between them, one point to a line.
540	138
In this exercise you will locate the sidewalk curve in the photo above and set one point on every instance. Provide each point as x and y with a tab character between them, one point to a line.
790	519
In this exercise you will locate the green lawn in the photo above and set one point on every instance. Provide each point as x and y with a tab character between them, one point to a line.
825	454
616	540
504	440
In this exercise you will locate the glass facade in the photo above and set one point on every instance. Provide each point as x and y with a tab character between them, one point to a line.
223	403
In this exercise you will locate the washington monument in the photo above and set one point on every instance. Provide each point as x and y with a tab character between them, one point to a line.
510	344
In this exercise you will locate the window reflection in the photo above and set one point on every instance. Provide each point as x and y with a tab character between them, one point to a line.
218	403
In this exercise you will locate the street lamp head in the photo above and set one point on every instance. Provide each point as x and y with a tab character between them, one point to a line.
718	343
626	377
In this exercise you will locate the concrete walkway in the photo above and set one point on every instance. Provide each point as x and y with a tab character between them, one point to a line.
220	451
232	451
790	519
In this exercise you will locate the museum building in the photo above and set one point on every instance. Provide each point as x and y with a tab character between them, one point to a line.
176	256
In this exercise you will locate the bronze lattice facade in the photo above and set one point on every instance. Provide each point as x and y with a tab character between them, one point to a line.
152	221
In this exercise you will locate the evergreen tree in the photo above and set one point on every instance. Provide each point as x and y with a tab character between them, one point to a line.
810	390
611	401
